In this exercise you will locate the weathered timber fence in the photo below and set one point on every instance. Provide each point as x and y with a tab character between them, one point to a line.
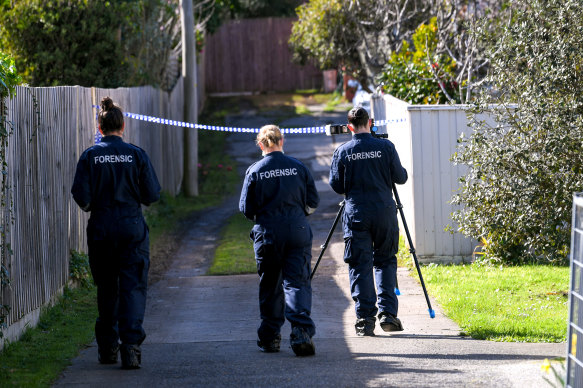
51	128
252	55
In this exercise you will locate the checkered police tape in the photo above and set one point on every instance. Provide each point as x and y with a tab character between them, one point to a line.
301	130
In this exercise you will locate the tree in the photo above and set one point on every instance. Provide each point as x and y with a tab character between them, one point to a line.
525	161
89	42
359	35
364	35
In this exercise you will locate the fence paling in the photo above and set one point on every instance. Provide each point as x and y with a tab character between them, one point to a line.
42	155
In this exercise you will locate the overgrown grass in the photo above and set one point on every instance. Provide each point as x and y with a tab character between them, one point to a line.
519	304
38	358
234	255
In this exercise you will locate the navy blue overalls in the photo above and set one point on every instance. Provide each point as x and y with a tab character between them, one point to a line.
112	180
363	169
278	193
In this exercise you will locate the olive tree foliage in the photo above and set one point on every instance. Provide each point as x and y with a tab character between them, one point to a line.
363	36
524	156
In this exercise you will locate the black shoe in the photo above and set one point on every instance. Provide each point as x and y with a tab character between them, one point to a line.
271	346
365	327
131	356
301	342
389	322
107	354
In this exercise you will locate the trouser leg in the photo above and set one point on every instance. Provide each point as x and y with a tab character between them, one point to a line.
271	298
105	276
385	235
358	255
298	289
133	284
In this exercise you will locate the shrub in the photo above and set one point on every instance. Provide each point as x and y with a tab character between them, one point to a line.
412	73
524	165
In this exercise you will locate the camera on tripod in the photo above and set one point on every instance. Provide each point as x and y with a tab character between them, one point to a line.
336	129
339	129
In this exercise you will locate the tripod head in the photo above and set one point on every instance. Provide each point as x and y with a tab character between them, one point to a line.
375	131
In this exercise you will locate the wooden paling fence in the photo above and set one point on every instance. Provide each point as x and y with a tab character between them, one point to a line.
253	55
50	129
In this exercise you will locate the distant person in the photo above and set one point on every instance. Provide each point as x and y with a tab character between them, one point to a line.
278	193
112	181
364	169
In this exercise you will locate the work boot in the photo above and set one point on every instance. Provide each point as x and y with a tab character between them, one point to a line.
390	322
365	327
107	354
301	342
131	356
271	346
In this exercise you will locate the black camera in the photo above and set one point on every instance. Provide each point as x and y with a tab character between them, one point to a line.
336	129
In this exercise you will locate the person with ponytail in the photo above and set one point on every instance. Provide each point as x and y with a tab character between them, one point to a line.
113	179
278	193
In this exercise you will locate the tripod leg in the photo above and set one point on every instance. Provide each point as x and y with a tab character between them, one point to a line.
412	250
325	245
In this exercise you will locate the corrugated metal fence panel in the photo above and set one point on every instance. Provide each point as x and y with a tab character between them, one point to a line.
434	131
252	55
399	133
51	128
425	141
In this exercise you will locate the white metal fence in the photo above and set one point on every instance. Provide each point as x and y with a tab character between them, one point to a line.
425	137
575	328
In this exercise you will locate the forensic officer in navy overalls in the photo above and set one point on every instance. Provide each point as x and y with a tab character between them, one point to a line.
364	169
278	193
112	181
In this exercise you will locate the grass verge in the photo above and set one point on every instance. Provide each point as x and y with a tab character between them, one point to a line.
234	255
512	304
518	304
40	355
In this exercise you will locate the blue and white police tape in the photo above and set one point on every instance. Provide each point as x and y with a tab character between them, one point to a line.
301	130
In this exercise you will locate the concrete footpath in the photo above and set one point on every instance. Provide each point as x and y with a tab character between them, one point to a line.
202	329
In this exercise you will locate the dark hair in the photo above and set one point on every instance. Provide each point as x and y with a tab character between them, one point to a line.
358	117
110	116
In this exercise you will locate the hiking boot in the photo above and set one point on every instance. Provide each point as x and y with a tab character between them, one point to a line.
271	346
301	342
390	322
108	355
365	327
131	356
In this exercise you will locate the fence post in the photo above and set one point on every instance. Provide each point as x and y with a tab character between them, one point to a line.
575	327
190	104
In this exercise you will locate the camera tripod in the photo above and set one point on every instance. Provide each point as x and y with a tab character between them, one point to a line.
411	248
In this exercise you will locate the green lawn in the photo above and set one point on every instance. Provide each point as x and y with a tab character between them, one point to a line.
520	304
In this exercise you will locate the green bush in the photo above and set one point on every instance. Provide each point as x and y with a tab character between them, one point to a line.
89	42
57	42
525	162
412	73
9	78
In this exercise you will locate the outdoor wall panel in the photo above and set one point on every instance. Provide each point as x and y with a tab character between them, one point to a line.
425	141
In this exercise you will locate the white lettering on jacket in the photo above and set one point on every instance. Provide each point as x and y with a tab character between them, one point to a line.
279	172
113	159
364	155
